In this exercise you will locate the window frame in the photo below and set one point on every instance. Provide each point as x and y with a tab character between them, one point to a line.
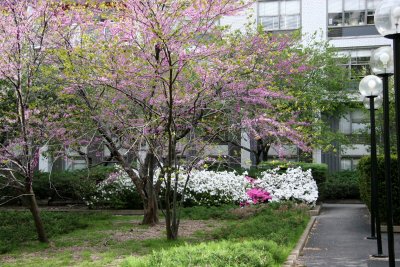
367	13
279	17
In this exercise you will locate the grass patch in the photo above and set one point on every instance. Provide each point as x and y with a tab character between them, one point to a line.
208	213
95	239
223	253
264	239
17	227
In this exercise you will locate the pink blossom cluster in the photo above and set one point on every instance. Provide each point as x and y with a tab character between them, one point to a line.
256	195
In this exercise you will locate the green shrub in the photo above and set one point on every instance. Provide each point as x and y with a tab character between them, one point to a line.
69	185
208	213
341	185
319	171
364	168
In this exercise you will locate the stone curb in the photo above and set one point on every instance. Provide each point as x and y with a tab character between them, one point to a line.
315	211
294	255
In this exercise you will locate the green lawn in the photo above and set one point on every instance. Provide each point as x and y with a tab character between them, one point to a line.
222	238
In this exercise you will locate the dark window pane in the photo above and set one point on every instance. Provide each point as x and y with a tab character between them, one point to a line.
370	17
335	19
354	18
352	31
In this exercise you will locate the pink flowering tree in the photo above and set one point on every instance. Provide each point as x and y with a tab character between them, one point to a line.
161	80
306	70
27	28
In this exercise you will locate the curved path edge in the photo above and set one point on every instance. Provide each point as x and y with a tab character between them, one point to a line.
294	255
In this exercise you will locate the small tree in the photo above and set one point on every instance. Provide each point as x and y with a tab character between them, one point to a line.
310	74
162	80
27	28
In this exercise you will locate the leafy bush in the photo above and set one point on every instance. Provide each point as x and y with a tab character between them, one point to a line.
207	213
69	185
75	186
341	185
364	168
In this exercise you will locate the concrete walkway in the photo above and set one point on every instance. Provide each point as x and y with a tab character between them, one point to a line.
338	238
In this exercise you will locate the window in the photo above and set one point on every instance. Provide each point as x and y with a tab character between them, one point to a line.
354	124
351	17
349	163
358	66
279	14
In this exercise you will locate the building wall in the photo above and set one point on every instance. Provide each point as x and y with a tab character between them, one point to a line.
313	17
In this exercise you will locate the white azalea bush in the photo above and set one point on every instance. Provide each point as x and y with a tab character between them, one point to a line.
213	188
216	188
117	191
295	184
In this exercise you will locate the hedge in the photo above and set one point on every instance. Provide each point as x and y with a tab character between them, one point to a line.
364	168
341	185
69	185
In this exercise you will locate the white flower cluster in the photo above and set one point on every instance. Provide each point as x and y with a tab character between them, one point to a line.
116	184
213	188
295	184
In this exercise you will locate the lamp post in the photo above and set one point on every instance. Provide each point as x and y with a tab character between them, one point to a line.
382	65
373	103
387	22
371	87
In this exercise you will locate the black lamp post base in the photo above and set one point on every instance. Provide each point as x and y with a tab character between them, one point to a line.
379	256
371	237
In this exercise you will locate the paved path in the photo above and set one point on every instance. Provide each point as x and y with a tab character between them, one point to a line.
338	238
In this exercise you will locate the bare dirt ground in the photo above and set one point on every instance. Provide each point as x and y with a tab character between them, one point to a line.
186	229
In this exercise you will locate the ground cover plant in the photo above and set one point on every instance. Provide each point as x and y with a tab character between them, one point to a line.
256	235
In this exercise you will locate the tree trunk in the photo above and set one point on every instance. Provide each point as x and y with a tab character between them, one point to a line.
150	211
265	153
150	204
33	207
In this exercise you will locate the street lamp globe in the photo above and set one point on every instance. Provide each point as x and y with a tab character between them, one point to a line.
371	86
387	18
382	60
378	101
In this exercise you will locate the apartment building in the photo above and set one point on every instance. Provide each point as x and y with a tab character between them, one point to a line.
347	25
